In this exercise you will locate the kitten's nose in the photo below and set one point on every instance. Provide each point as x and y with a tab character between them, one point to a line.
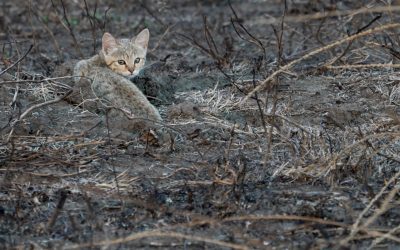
131	69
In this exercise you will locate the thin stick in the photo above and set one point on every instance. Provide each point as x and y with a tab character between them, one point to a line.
30	109
92	23
387	235
161	38
37	81
253	39
356	226
325	14
363	66
16	62
264	83
60	205
157	233
39	16
351	42
285	218
68	25
44	104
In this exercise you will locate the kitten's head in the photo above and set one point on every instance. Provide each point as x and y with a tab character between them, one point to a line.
125	56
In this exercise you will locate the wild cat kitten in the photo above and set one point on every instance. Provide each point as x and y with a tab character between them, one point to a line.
107	73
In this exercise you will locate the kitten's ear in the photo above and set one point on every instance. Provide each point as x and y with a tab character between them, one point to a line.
108	43
142	39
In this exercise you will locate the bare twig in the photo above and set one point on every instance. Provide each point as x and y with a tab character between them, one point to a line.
285	218
68	26
44	104
387	235
39	15
60	205
19	60
151	13
92	23
356	226
260	109
264	83
110	152
158	233
167	30
37	80
30	109
325	14
252	39
363	66
351	42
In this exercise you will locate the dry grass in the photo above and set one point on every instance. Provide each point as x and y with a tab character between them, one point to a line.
309	154
287	67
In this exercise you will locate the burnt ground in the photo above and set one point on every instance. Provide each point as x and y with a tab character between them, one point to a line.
309	161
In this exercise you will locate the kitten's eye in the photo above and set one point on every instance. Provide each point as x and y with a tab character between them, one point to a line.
121	62
137	60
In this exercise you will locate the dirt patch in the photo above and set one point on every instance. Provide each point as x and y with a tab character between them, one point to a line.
309	161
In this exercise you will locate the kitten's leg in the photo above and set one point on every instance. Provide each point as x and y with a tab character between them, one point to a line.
138	102
122	93
82	92
81	69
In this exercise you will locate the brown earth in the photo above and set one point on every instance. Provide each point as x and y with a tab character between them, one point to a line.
309	162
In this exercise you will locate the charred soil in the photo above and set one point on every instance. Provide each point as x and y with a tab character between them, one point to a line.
309	160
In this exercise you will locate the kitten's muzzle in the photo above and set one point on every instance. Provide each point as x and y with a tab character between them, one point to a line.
131	69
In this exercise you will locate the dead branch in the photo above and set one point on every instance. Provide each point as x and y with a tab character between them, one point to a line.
357	224
30	109
362	66
67	26
158	233
57	211
334	13
19	60
264	83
